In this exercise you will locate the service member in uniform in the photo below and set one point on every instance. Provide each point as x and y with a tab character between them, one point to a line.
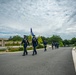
34	44
53	44
25	43
45	45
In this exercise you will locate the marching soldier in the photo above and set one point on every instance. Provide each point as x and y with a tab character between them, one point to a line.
34	43
25	43
53	45
45	45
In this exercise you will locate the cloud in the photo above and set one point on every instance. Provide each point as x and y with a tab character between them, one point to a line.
46	17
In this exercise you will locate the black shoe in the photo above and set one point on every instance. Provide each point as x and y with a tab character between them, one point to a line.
32	54
35	53
44	50
23	55
26	53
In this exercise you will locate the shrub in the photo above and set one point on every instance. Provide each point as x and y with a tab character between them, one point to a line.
20	48
75	44
40	46
13	44
2	50
12	49
30	48
61	44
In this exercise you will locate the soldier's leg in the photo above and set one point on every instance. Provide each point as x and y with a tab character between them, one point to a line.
45	48
24	52
35	50
52	47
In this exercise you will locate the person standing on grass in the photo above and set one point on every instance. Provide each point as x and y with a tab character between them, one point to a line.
34	44
25	43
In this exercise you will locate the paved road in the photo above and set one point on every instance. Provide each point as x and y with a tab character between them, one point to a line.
52	62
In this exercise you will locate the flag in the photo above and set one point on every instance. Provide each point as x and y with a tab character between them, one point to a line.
31	32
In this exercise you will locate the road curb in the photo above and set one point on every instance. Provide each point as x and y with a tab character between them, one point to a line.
19	51
74	57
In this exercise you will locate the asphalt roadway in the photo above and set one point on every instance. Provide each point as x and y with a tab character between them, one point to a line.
51	62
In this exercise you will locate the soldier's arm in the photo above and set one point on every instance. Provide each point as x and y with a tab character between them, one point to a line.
37	41
32	40
22	42
27	42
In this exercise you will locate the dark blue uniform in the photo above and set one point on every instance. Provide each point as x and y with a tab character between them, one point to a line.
34	43
53	44
25	43
57	45
45	45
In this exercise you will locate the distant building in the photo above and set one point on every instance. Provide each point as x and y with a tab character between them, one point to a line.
2	41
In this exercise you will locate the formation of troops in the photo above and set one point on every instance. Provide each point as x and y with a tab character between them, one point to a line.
35	43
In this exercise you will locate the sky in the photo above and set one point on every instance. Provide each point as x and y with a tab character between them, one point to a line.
45	17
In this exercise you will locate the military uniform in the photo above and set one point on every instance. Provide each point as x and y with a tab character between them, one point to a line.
25	43
53	44
34	43
45	45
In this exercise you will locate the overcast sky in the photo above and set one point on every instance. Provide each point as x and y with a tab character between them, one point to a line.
45	17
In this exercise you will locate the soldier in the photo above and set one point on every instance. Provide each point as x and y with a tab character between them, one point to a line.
53	45
57	45
45	45
25	43
34	43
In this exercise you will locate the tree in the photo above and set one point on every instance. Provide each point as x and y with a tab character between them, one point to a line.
40	41
61	43
55	38
10	38
66	42
43	38
73	40
29	38
15	38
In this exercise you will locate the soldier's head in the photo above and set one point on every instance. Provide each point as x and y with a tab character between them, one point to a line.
33	35
24	36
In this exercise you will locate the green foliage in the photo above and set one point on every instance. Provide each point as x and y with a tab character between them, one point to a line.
30	48
2	50
15	38
43	38
55	38
13	44
20	49
49	40
40	40
61	44
75	44
10	38
29	38
66	42
11	49
73	40
40	46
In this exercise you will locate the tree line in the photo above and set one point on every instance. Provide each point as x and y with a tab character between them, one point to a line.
49	40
